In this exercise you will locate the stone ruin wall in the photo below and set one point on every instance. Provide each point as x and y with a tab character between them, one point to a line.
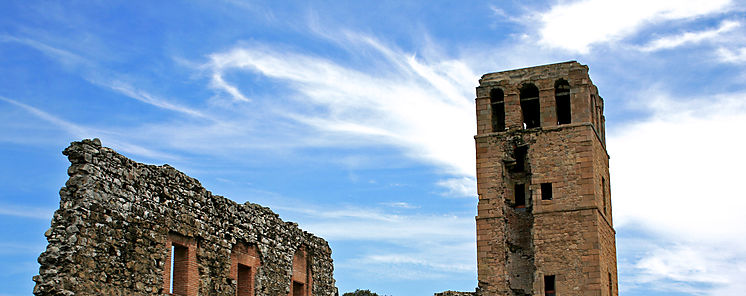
117	219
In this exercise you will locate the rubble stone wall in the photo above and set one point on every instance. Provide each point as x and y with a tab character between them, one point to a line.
117	220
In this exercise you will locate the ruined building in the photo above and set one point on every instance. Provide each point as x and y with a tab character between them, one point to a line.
126	228
544	222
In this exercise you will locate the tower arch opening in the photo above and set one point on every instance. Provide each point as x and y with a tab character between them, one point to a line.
530	108
497	104
562	101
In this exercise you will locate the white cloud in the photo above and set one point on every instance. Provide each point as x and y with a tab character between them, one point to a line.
460	187
736	56
669	42
397	100
147	98
677	176
578	25
93	74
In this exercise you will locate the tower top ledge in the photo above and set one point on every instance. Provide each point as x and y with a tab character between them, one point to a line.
562	69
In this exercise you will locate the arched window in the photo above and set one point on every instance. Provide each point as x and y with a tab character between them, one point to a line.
301	282
530	105
497	103
562	100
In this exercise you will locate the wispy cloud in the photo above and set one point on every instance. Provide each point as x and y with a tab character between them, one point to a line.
400	204
63	56
578	25
219	83
147	98
460	187
69	127
94	73
736	56
25	212
398	100
669	42
438	244
81	132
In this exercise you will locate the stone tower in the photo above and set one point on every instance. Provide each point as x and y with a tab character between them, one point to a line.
544	217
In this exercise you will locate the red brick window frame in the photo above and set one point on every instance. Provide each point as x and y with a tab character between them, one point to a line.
244	264
184	271
301	283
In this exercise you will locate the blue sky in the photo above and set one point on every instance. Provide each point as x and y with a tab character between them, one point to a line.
356	120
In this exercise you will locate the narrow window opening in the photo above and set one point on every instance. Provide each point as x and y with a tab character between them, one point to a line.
244	281
520	195
298	289
593	110
549	286
171	271
520	158
611	286
562	100
301	280
179	268
546	191
497	103
530	106
603	193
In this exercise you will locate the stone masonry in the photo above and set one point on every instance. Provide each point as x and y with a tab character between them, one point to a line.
544	224
121	224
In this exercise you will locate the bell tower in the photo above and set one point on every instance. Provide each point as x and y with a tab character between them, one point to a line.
544	224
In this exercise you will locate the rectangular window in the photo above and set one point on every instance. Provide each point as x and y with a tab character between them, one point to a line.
549	289
611	286
498	116
603	193
298	289
179	268
244	281
529	98
546	191
497	102
520	158
563	108
520	195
